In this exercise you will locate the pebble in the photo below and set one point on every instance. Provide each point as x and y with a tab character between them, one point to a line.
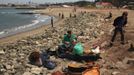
8	67
27	73
115	73
36	70
2	52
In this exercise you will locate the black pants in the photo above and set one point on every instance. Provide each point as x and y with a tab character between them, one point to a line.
115	33
80	58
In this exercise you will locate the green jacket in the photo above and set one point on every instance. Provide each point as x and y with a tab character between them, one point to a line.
73	37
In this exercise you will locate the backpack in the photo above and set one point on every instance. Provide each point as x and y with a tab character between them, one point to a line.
49	64
93	71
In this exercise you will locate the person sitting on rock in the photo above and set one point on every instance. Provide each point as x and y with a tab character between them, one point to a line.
41	59
74	50
69	41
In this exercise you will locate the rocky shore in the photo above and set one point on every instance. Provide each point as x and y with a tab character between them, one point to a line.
14	56
87	26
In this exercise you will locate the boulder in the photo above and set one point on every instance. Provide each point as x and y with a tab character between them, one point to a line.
2	52
27	73
36	70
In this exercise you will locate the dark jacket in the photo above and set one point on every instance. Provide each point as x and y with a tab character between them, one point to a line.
120	22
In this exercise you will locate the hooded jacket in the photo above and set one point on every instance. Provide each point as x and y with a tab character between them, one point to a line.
120	22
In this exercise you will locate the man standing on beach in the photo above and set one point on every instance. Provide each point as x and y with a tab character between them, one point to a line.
52	21
119	23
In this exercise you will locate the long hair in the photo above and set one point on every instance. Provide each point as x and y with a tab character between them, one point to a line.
34	56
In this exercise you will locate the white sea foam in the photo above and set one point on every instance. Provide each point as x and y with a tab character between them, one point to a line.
35	23
42	20
2	32
7	12
3	12
37	15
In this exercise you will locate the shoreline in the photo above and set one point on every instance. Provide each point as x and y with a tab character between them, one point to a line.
45	20
21	35
33	21
50	12
31	32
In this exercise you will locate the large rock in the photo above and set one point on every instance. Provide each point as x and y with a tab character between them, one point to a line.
129	61
9	67
36	70
27	73
132	73
104	71
2	52
104	44
6	74
115	73
120	64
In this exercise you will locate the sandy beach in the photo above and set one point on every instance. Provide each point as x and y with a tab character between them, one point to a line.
49	11
54	12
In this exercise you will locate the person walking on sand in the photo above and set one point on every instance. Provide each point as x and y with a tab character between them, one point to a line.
119	23
52	21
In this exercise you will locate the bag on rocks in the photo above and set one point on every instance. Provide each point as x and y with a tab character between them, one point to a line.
93	71
78	49
49	65
74	68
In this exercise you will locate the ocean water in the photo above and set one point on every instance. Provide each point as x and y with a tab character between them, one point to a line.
12	22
